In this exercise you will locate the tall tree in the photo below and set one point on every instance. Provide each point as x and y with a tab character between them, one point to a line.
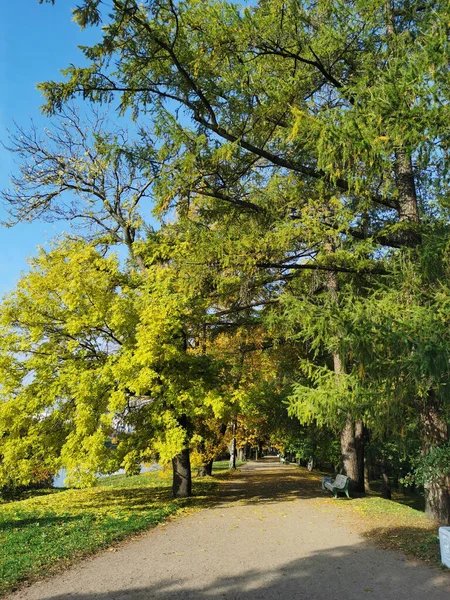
329	120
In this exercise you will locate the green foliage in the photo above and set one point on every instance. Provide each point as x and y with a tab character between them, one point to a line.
301	165
89	355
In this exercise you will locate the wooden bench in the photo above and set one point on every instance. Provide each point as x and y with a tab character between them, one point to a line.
340	484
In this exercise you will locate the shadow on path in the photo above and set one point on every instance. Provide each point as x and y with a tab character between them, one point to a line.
269	482
344	572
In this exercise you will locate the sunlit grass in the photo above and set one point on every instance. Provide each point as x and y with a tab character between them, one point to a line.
398	524
42	533
397	527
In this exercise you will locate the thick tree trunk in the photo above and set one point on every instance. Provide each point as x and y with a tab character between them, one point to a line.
182	481
437	490
352	444
205	469
437	500
352	449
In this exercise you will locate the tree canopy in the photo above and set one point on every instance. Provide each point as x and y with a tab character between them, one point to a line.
296	154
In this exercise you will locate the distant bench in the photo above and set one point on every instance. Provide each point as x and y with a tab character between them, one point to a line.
340	484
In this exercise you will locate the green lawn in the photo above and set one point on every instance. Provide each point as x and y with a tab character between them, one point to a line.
397	524
42	533
397	527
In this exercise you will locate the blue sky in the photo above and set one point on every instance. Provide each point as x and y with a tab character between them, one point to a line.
36	41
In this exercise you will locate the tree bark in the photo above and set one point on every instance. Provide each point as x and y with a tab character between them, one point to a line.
201	471
182	480
385	486
437	490
352	436
366	478
352	449
205	469
359	450
233	445
407	206
352	444
181	466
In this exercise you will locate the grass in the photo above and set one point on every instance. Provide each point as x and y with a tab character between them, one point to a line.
44	533
398	524
41	534
395	526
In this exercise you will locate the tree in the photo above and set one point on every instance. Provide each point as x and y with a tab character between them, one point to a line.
89	353
350	130
328	127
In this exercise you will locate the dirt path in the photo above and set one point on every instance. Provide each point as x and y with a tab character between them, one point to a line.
265	539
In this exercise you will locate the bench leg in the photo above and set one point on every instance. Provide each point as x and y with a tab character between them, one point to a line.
346	493
335	494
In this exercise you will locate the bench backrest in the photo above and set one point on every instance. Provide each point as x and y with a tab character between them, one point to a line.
340	481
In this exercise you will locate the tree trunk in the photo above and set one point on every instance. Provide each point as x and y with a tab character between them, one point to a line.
437	500
407	206
352	448
359	449
205	469
182	481
435	433
352	436
385	486
247	452
233	445
201	471
366	478
181	466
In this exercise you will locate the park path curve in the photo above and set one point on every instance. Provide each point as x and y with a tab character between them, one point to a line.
266	538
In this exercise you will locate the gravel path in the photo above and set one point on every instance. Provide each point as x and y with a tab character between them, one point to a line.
267	538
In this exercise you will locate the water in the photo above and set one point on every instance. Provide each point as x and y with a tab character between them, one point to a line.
58	481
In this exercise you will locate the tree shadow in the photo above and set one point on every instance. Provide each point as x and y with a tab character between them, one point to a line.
270	483
417	542
11	524
137	499
350	572
251	486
